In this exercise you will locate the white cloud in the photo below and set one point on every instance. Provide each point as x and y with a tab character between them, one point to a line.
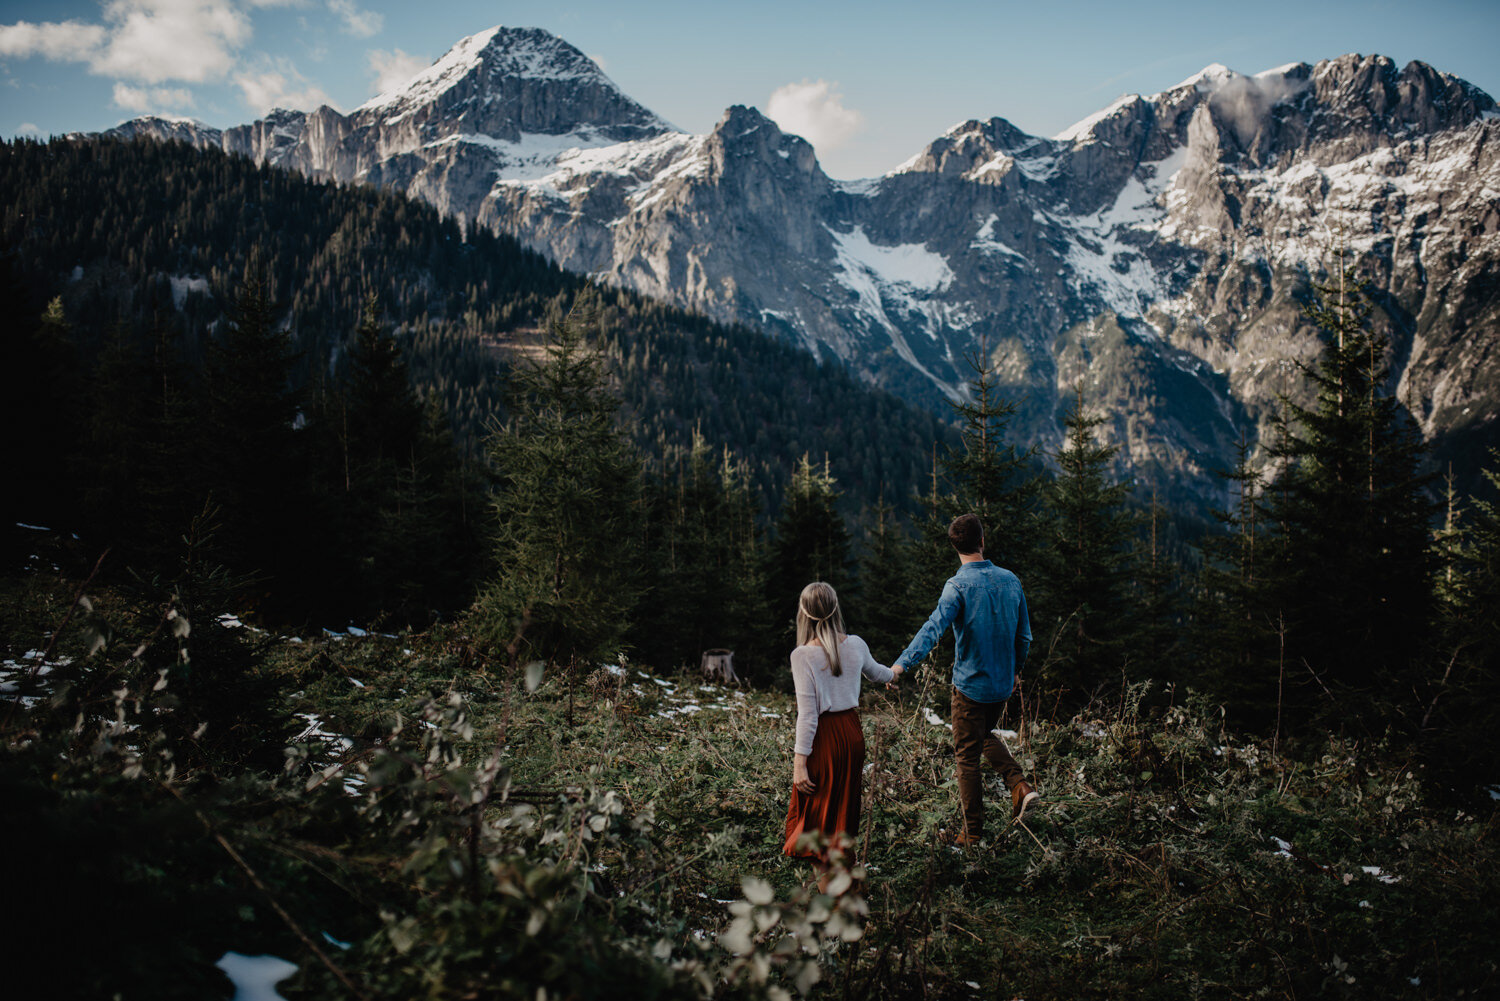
66	41
357	22
28	129
600	62
279	85
148	41
814	110
157	40
392	69
151	98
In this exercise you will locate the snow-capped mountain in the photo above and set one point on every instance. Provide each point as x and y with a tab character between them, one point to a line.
1154	252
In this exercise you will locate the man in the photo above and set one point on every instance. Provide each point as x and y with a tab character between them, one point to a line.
992	634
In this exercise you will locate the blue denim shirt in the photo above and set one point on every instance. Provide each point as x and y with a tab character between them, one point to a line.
991	631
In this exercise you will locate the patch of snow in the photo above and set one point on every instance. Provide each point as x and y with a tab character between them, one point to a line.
255	977
1117	271
1208	78
861	188
1380	874
1005	734
183	284
985	241
314	730
909	265
1084	128
34	528
1283	848
435	79
933	718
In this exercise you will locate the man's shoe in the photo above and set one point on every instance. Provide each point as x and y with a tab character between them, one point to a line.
959	839
1021	798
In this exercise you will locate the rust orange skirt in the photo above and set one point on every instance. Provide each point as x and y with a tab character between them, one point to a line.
836	768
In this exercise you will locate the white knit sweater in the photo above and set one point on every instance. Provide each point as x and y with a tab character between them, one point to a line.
818	691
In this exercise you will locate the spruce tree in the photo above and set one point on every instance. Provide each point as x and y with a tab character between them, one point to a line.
989	476
705	563
1237	628
1461	712
1084	605
253	468
1354	565
890	608
567	506
1154	633
811	543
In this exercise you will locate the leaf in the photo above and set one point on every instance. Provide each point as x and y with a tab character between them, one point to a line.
737	938
403	935
533	675
757	891
807	976
839	884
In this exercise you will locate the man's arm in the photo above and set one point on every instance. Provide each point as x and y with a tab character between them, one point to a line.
941	618
1023	634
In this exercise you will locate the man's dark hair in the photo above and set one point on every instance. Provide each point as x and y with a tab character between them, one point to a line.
967	533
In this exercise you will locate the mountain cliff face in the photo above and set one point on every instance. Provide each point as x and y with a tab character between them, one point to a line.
1155	253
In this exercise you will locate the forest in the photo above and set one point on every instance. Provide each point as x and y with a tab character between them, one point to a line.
358	570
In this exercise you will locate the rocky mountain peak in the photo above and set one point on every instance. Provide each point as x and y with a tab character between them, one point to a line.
507	82
983	151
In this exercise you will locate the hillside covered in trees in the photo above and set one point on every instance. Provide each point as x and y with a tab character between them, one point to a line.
145	240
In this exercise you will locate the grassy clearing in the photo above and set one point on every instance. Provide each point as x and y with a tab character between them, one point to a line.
1170	860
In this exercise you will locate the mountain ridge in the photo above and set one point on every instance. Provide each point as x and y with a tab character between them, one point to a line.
1180	227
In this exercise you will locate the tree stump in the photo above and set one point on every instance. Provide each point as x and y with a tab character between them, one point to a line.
718	665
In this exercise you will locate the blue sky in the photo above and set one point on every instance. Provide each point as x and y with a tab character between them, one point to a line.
868	83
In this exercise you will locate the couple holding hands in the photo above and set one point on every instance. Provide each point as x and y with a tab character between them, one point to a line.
987	610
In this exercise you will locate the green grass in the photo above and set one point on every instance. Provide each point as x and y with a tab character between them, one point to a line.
1152	869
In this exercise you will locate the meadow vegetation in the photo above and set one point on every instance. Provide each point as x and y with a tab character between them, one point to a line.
437	827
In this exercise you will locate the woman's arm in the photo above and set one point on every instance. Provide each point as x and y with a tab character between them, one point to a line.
800	778
807	704
871	668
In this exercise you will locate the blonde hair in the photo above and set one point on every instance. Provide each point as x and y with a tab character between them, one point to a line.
818	617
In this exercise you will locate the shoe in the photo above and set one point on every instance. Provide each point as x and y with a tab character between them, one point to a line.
958	839
1021	798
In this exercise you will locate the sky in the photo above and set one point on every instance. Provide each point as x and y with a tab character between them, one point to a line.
869	83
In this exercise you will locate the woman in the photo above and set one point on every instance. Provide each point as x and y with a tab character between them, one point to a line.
829	754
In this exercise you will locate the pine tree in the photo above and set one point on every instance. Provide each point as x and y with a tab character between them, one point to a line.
38	376
1462	706
811	543
1237	629
705	563
1354	565
253	467
1154	630
567	505
1084	606
990	477
890	610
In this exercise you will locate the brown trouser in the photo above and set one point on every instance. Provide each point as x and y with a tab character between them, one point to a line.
972	723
